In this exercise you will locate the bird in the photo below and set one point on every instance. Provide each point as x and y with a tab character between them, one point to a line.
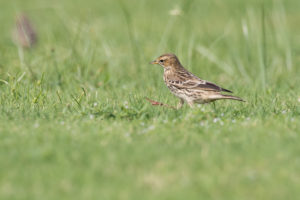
188	87
24	34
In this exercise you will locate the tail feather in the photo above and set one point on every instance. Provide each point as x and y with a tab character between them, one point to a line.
225	96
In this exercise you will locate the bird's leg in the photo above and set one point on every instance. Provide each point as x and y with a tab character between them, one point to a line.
191	103
214	106
180	104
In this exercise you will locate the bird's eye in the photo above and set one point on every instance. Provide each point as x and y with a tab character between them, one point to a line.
161	61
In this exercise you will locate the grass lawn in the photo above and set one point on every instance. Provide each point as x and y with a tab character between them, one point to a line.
74	122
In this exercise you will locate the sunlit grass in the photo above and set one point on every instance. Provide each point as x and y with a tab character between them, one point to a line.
74	122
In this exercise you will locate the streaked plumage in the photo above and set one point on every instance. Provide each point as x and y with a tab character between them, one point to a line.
188	87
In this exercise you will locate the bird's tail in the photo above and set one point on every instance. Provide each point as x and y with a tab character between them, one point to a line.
225	96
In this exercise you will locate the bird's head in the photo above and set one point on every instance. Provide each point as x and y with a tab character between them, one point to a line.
168	60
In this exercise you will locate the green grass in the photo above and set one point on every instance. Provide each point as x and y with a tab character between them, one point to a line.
74	123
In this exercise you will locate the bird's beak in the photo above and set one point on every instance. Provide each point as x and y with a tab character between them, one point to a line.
154	62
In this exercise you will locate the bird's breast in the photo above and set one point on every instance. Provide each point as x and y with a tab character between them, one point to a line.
165	77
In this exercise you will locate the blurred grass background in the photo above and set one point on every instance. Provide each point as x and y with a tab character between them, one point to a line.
75	125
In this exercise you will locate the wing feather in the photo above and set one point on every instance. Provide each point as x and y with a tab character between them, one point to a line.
198	84
186	80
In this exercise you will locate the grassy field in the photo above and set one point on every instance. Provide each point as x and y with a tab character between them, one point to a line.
74	123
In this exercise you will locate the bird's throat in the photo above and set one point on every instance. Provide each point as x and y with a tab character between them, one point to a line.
167	69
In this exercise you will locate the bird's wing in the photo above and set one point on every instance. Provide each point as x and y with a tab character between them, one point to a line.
211	86
198	84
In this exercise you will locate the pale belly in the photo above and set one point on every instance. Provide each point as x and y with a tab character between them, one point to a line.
189	96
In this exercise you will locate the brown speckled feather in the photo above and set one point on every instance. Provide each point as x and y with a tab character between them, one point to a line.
186	85
186	80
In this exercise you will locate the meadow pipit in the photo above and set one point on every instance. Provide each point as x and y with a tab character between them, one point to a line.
188	87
